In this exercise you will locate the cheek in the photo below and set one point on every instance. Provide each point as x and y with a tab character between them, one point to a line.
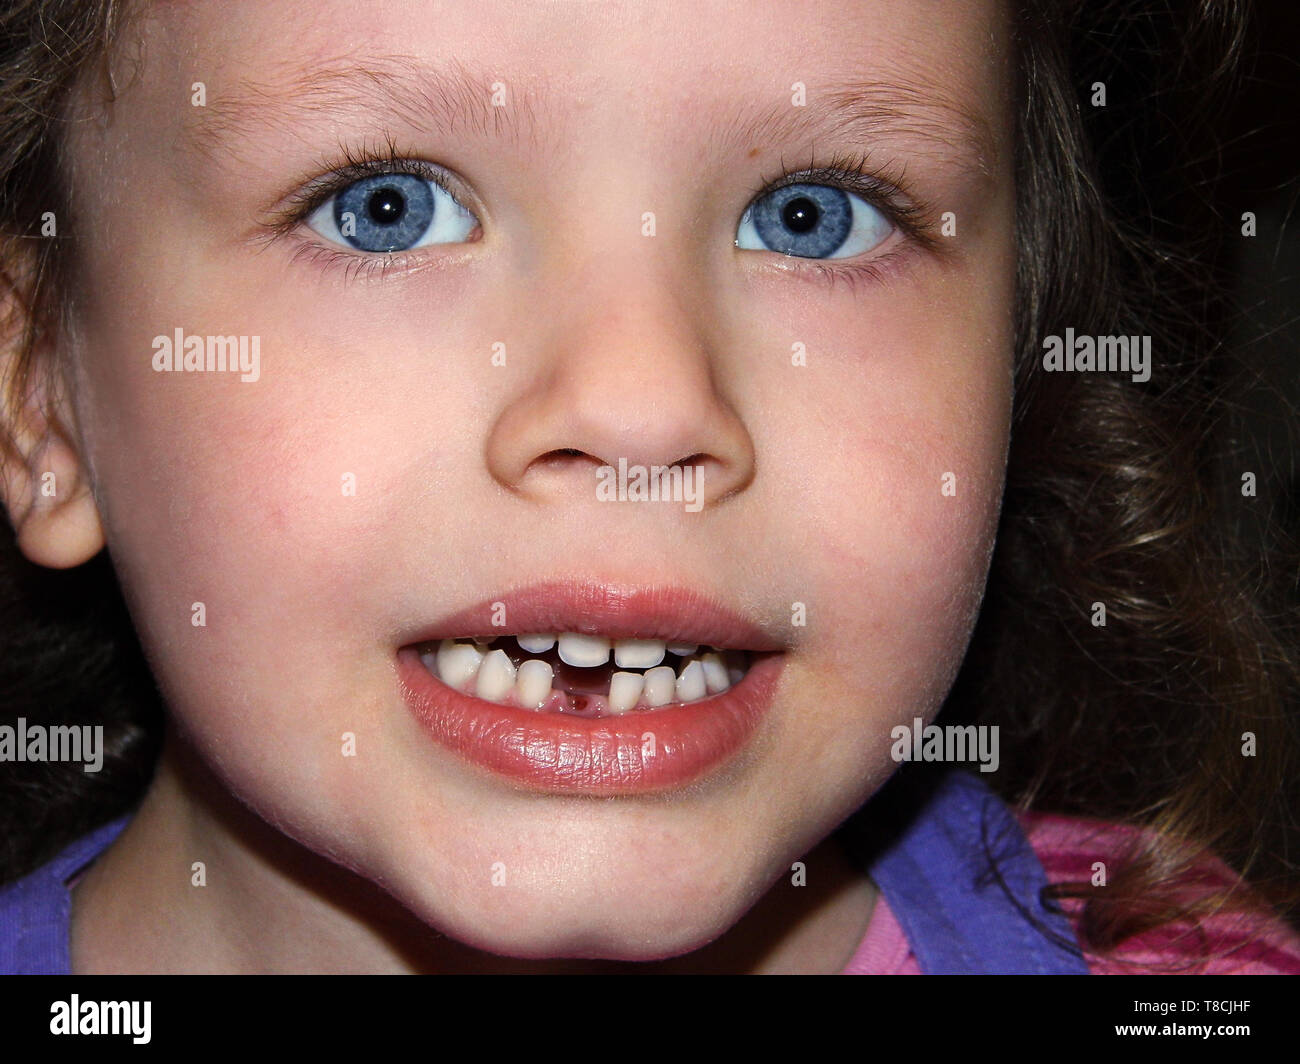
910	504
910	521
250	496
892	444
248	507
231	540
211	487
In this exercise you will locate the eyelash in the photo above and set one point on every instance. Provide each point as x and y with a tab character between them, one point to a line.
355	163
857	174
848	172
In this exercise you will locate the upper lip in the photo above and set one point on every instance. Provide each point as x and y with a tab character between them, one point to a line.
672	614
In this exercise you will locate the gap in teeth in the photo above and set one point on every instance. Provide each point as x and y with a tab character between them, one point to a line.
646	674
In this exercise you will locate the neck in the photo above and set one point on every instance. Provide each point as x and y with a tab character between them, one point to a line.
270	904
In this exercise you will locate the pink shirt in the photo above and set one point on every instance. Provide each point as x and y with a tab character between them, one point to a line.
1239	943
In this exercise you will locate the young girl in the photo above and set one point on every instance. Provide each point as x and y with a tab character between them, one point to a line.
555	456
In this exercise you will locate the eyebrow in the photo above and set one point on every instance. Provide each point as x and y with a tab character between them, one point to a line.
456	99
869	111
448	100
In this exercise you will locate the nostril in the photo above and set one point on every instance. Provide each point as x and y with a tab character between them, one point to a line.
564	458
692	480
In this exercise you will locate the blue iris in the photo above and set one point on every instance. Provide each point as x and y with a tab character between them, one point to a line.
812	221
386	212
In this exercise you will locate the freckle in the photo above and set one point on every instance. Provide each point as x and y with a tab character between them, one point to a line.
754	151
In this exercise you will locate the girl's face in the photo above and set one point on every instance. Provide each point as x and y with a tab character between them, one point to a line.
423	436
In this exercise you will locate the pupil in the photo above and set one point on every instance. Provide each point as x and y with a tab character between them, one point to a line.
800	214
386	206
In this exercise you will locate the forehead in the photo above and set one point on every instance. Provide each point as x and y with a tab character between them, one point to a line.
529	71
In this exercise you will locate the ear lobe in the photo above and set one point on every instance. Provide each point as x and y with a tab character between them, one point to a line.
50	503
46	485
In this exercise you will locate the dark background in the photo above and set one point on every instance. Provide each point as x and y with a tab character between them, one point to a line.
1261	173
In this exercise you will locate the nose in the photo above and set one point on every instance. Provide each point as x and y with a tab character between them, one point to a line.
625	371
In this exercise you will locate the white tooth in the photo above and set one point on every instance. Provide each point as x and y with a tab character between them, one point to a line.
496	676
583	651
484	641
533	683
624	690
690	684
535	644
715	673
638	653
683	649
660	686
458	663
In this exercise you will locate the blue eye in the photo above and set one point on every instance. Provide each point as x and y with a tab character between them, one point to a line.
392	212
812	222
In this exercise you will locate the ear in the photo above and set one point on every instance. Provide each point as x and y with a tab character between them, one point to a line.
45	481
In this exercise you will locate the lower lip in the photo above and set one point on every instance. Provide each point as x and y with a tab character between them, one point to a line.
632	753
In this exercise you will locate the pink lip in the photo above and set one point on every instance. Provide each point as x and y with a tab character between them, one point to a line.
632	753
677	614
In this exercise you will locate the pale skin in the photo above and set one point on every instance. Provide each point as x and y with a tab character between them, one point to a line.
823	481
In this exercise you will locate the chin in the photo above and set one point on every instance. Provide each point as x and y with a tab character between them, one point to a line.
580	932
651	912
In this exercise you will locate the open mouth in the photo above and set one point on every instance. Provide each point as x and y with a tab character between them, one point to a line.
594	688
582	674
